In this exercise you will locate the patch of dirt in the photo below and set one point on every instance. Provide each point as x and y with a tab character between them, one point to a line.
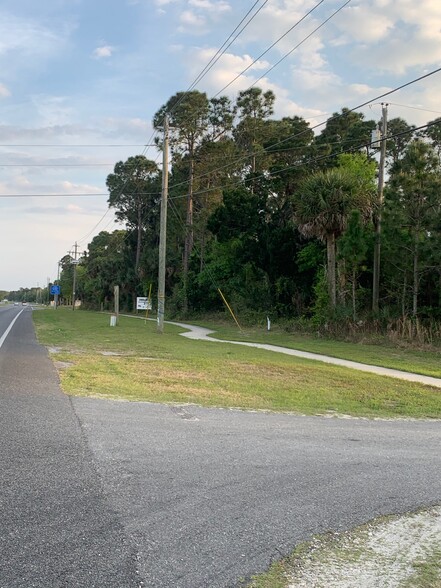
54	350
63	365
378	555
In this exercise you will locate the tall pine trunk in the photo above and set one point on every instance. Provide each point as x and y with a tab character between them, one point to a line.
330	247
415	278
189	234
139	235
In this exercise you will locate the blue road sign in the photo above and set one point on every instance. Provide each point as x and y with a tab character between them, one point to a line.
55	289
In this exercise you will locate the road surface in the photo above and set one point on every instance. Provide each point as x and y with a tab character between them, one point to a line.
116	494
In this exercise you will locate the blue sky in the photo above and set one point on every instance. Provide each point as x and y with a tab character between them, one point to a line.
92	73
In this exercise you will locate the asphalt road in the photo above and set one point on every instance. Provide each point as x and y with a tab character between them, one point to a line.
101	493
57	527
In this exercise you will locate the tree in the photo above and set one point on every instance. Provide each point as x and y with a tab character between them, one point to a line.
188	114
106	264
253	107
353	247
433	132
396	146
134	192
344	131
414	207
323	205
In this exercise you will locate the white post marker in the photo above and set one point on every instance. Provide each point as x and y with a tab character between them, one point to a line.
268	323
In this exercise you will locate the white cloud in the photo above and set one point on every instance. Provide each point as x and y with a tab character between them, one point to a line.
67	187
225	70
53	110
26	44
103	52
218	6
393	35
4	92
191	19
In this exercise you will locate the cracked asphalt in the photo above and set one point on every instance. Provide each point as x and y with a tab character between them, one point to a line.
103	493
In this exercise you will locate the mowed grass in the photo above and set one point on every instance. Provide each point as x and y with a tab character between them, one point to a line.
418	361
171	368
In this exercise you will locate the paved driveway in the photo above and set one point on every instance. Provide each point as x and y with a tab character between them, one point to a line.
209	496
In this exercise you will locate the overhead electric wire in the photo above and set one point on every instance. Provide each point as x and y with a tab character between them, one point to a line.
72	145
338	115
313	160
52	195
56	164
271	46
414	108
226	45
301	42
97	224
280	171
379	97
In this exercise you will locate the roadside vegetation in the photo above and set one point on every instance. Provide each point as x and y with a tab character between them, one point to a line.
132	362
282	218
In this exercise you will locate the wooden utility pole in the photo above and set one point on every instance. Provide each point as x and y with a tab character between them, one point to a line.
377	221
163	231
74	285
57	296
116	301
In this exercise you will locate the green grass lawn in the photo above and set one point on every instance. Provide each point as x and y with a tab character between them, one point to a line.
170	368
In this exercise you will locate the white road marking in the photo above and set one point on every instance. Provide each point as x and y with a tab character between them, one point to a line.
6	333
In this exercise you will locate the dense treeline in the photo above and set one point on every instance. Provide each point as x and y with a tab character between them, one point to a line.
281	219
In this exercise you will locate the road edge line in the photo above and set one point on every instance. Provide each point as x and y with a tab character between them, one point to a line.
11	324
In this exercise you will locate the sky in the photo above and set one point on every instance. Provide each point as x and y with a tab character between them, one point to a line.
80	82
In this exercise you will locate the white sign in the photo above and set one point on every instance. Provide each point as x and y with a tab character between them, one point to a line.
143	304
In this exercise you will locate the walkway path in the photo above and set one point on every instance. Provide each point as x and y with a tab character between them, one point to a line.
204	334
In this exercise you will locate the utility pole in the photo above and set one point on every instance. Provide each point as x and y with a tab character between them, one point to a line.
377	221
56	296
74	284
163	231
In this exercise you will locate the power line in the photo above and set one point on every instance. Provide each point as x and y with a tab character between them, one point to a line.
348	111
52	195
311	161
375	99
222	49
317	159
301	42
97	224
415	108
57	164
74	145
219	53
271	46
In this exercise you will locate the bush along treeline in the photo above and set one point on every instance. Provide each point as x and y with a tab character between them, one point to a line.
279	218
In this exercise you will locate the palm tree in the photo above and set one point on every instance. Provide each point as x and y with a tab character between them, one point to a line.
324	203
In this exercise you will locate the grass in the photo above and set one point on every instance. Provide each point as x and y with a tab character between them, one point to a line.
427	571
170	368
423	361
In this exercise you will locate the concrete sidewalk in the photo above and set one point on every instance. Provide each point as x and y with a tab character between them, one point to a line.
203	334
